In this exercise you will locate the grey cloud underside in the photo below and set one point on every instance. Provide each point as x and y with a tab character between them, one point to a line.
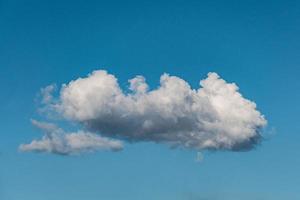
215	116
187	138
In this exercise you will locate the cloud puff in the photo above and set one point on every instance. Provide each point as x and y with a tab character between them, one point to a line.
213	117
58	141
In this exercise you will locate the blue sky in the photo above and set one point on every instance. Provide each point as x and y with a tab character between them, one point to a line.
252	43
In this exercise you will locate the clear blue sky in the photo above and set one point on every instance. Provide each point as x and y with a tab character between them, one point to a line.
255	44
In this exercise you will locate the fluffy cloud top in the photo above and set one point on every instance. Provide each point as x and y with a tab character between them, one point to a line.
215	116
58	141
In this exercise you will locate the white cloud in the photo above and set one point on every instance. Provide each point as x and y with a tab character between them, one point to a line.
215	116
58	141
138	84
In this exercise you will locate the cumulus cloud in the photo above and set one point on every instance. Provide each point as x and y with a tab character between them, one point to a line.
214	116
57	141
